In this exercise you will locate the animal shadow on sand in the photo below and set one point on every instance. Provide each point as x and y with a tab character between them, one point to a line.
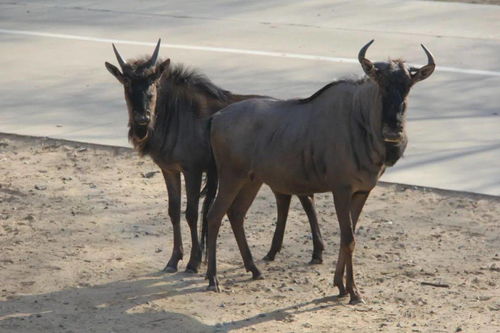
127	306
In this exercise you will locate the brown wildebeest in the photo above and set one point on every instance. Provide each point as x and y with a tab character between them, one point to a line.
169	108
339	140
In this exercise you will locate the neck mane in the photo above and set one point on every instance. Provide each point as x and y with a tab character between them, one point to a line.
366	130
370	150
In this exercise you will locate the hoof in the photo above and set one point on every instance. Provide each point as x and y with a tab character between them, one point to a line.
342	291
214	289
192	268
170	269
356	300
257	276
268	258
316	261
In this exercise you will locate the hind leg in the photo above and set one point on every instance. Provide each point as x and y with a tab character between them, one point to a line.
236	215
318	245
282	205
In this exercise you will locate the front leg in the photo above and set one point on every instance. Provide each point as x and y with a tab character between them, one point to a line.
357	203
193	186
236	214
228	189
343	200
173	182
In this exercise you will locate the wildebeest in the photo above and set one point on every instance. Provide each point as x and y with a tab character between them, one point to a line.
169	107
339	140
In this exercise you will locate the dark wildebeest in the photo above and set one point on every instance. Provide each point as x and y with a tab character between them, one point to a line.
339	140
169	107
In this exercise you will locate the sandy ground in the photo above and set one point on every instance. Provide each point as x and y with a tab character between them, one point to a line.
84	236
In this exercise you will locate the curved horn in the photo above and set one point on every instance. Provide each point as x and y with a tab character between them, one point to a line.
154	57
367	65
362	52
422	73
430	57
118	57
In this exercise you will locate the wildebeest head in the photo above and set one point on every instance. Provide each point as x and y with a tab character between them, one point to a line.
394	79
140	80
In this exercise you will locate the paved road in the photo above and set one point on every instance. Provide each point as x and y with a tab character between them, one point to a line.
54	82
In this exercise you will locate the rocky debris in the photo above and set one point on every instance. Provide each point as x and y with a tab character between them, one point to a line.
66	179
494	307
51	146
435	284
494	267
29	217
149	174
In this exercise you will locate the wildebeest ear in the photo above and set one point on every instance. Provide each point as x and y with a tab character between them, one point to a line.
115	72
160	69
423	73
369	68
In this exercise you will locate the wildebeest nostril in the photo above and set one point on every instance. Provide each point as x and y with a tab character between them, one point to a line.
141	119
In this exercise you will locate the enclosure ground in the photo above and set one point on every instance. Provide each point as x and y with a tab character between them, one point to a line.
84	235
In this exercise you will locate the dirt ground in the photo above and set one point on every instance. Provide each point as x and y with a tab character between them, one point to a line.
84	236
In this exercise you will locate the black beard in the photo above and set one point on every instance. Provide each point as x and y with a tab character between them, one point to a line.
139	131
394	151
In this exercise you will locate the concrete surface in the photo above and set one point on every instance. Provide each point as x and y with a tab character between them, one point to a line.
54	82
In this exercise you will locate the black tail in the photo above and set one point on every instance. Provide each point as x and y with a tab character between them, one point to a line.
204	190
210	189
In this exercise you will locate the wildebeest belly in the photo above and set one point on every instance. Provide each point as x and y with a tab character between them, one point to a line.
290	185
291	173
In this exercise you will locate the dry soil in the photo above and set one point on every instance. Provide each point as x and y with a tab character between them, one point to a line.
84	236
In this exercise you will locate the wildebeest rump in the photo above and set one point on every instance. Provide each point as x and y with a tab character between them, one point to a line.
169	107
340	139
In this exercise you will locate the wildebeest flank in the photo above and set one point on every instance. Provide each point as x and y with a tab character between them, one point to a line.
340	139
169	107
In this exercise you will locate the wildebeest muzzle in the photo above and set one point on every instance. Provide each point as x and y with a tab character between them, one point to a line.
142	119
394	135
